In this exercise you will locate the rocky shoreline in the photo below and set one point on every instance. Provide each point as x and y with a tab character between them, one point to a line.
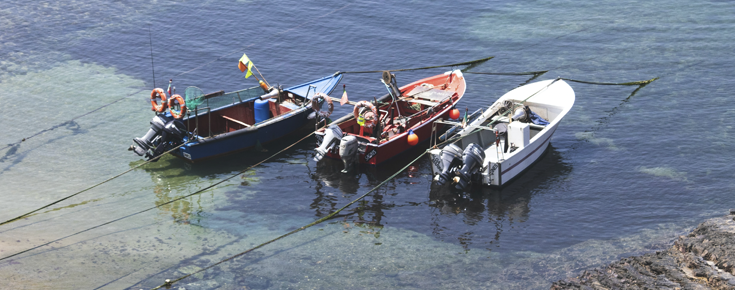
703	259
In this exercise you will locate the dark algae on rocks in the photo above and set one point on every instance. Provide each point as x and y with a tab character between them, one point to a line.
703	259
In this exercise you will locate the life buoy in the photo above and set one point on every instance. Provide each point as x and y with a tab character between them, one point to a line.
367	119
318	108
182	104
158	93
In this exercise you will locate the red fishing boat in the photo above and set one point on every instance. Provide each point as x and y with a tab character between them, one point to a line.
381	129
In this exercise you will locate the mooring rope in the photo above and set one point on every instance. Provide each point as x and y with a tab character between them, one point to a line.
313	19
169	282
470	63
93	186
638	83
69	121
509	74
162	204
177	75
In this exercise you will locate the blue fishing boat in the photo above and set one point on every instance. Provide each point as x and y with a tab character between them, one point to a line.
240	120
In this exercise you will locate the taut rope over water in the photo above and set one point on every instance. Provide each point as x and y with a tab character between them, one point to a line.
93	186
169	282
162	204
470	63
69	121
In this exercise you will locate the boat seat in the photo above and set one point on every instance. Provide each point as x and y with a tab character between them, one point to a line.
234	121
427	103
364	138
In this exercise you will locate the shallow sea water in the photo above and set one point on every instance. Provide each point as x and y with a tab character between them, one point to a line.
624	175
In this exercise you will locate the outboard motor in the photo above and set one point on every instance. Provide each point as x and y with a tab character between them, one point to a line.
348	152
451	156
165	133
472	159
332	136
171	136
146	142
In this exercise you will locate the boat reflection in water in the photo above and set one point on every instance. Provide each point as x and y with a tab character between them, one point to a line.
371	210
501	207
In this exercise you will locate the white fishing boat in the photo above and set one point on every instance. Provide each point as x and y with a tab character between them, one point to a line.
506	139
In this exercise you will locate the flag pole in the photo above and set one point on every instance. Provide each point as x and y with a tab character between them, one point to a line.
261	75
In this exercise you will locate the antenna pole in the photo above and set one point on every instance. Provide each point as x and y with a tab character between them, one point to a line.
150	37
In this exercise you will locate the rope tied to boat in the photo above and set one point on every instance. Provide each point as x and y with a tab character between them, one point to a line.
170	282
98	184
162	204
471	63
69	121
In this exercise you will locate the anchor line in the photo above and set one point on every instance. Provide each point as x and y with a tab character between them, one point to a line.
168	283
637	83
272	36
93	186
177	75
162	204
470	63
69	121
509	74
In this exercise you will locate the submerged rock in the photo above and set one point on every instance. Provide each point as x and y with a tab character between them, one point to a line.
704	259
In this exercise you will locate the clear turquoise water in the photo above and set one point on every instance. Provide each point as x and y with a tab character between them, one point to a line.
623	176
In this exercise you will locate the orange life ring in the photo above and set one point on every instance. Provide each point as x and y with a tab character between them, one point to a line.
368	120
318	108
182	104
158	93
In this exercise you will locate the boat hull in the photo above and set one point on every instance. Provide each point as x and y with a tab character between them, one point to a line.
550	99
243	139
499	174
239	131
375	154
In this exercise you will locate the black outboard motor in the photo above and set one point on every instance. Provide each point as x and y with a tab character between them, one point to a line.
165	133
451	156
146	142
172	135
472	159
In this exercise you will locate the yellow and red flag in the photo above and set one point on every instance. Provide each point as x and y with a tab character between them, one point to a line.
245	64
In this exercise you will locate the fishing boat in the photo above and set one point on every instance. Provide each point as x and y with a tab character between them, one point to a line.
240	120
381	129
506	139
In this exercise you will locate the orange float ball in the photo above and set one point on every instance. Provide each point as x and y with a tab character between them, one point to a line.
454	114
413	139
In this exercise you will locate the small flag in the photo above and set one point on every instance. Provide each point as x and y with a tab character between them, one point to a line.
344	100
169	86
464	120
245	64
